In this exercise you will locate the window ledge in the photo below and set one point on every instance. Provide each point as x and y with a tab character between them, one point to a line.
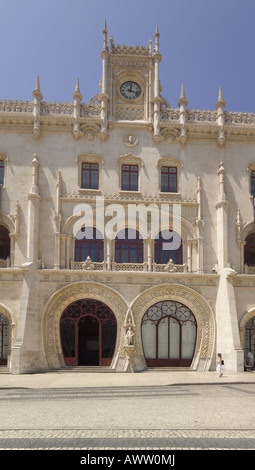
124	191
86	190
169	193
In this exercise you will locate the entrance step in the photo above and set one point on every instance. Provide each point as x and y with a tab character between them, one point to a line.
100	369
4	370
84	369
168	369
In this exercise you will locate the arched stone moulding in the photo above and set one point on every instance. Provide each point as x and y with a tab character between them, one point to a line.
245	318
204	348
12	325
61	299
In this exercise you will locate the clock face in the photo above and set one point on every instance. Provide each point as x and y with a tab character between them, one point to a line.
130	90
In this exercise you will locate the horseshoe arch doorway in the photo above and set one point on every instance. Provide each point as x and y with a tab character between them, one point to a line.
88	331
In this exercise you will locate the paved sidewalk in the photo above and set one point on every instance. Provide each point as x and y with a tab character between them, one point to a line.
71	379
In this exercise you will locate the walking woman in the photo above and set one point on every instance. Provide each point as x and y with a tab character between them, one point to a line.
219	363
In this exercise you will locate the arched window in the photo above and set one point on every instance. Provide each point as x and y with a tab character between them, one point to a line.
249	250
89	242
128	247
169	332
168	248
249	339
4	243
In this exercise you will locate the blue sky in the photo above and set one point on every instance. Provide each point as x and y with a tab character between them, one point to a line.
204	44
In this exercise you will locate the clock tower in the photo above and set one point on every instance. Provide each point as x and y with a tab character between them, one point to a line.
130	87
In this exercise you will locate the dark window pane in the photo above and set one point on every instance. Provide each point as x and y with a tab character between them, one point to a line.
168	179
4	243
249	250
253	183
89	176
91	245
163	252
129	178
1	172
128	247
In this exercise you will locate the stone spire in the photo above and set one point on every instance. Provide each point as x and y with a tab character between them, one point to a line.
183	100
77	93
220	105
157	39
183	103
220	102
37	95
37	90
77	97
105	32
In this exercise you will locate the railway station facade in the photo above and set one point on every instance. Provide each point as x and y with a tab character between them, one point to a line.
126	226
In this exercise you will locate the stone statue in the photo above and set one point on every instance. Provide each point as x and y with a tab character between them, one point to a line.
129	337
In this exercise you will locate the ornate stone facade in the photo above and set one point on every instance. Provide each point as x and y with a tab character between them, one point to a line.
47	152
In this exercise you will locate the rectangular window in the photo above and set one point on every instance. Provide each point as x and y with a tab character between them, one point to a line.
1	172
89	176
168	179
129	178
253	183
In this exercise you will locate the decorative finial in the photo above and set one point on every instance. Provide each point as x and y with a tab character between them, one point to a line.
37	90
105	32
77	88
221	101
77	93
157	39
183	99
150	45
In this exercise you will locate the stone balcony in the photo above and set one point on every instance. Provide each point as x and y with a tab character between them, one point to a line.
89	265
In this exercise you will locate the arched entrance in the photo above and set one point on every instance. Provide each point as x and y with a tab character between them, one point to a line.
249	339
4	339
169	332
88	333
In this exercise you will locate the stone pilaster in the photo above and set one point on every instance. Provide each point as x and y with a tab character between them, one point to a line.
33	215
222	221
228	336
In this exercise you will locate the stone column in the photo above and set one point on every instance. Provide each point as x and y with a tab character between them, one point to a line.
200	225
222	221
228	338
33	215
57	219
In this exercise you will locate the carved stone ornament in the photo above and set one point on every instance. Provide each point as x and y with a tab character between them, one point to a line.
130	140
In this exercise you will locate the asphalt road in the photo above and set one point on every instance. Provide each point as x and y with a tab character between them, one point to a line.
181	417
